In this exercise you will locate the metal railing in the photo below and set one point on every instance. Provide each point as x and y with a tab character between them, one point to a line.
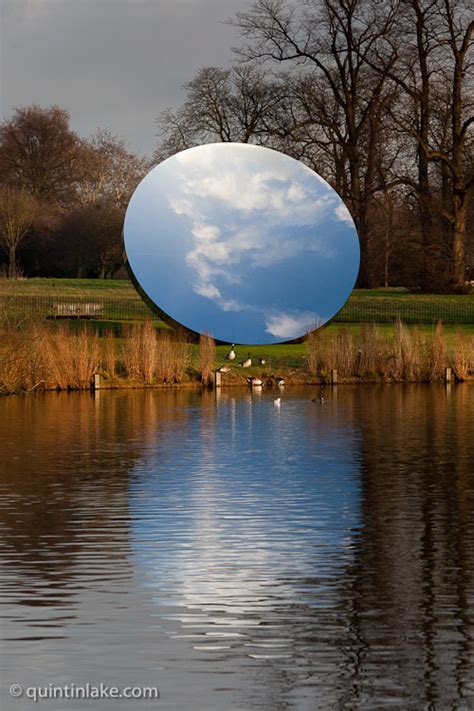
411	309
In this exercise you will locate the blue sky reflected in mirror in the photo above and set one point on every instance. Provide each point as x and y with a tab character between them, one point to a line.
242	242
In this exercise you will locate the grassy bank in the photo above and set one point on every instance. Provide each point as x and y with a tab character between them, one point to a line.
36	298
52	356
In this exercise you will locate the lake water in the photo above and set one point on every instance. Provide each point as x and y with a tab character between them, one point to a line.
237	555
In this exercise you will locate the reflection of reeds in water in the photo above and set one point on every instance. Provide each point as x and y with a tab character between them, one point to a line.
207	357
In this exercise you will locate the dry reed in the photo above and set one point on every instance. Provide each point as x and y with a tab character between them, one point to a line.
436	354
406	363
70	359
173	358
34	355
54	356
313	347
461	358
130	351
109	354
207	357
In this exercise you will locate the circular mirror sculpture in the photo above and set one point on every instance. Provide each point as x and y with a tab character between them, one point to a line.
241	242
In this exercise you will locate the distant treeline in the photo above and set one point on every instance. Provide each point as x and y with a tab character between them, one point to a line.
377	97
62	197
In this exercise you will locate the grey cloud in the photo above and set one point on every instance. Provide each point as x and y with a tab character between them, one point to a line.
110	63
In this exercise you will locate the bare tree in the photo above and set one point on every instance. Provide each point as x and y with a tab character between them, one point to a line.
330	42
110	171
222	105
40	153
18	212
430	43
455	33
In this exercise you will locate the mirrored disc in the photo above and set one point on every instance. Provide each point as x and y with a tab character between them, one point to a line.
241	242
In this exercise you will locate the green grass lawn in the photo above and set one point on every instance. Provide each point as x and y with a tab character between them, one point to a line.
69	288
287	356
36	298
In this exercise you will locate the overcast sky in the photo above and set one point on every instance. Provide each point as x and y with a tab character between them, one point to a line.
110	63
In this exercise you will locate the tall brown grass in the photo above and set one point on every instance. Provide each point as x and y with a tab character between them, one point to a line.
173	357
149	357
461	358
109	354
207	357
69	359
20	359
407	355
55	358
314	348
138	356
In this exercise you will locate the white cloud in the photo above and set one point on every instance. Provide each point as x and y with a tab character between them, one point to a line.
343	214
291	325
181	206
234	305
246	213
206	233
209	291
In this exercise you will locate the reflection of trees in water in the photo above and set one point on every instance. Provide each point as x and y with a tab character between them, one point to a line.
65	469
378	606
410	587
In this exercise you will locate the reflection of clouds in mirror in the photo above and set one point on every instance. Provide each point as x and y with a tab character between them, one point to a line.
282	195
287	326
241	241
343	214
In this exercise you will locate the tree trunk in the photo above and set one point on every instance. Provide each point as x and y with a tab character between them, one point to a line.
12	270
360	219
428	275
458	251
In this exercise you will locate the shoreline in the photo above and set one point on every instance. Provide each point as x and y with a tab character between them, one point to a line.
39	358
115	385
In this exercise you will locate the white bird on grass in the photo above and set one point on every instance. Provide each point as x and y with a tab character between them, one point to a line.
231	354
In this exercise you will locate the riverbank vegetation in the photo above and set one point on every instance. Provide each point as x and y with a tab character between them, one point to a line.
49	356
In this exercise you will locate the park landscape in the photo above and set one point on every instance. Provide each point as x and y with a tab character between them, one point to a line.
385	335
294	534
